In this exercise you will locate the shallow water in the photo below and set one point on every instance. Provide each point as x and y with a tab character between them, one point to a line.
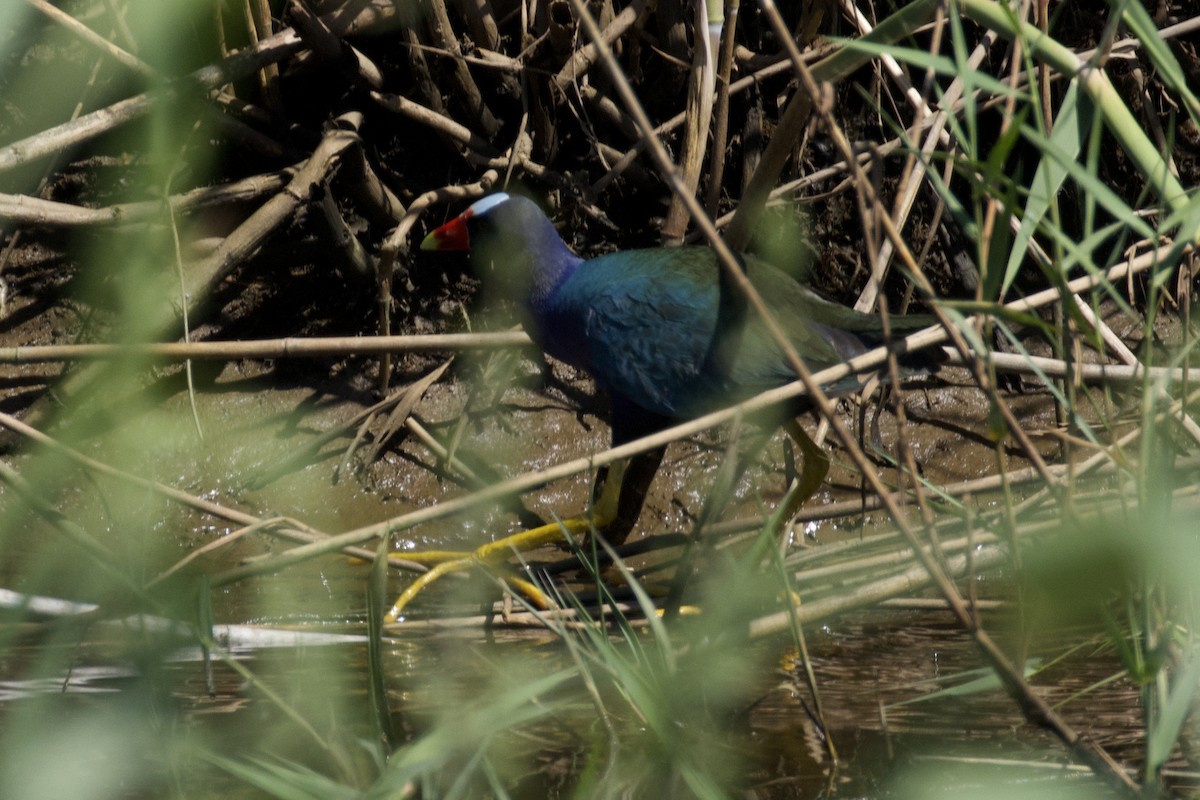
867	664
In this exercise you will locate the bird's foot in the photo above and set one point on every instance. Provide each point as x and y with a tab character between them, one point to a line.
606	509
490	559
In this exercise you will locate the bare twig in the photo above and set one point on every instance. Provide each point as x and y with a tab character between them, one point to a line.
236	66
466	92
329	47
203	277
584	57
28	210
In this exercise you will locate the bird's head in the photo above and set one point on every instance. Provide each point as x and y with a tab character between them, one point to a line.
513	246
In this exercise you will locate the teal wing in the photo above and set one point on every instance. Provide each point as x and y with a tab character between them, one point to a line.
654	329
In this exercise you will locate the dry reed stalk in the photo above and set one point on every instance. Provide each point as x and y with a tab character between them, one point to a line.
458	134
466	92
316	347
258	26
357	18
28	210
934	123
778	149
94	40
203	277
698	114
332	49
583	58
97	123
716	167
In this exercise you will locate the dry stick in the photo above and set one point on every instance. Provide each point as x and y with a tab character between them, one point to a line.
409	397
874	593
316	347
141	68
908	582
1111	340
778	149
89	126
310	449
258	23
915	166
28	210
397	240
531	480
890	65
120	23
329	47
848	566
574	70
698	109
205	276
1035	707
371	195
207	78
445	456
560	29
847	508
716	166
601	105
819	176
303	534
354	255
847	559
465	91
1058	368
481	21
1104	504
319	347
14	240
1122	352
443	124
221	543
418	67
630	156
90	37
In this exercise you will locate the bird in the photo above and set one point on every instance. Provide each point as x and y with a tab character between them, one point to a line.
661	330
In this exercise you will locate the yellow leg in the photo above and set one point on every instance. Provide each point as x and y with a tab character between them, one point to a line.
605	509
489	555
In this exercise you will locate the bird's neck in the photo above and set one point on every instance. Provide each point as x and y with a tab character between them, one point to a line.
553	263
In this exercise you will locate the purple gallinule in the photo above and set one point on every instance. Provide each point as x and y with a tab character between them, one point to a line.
661	332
